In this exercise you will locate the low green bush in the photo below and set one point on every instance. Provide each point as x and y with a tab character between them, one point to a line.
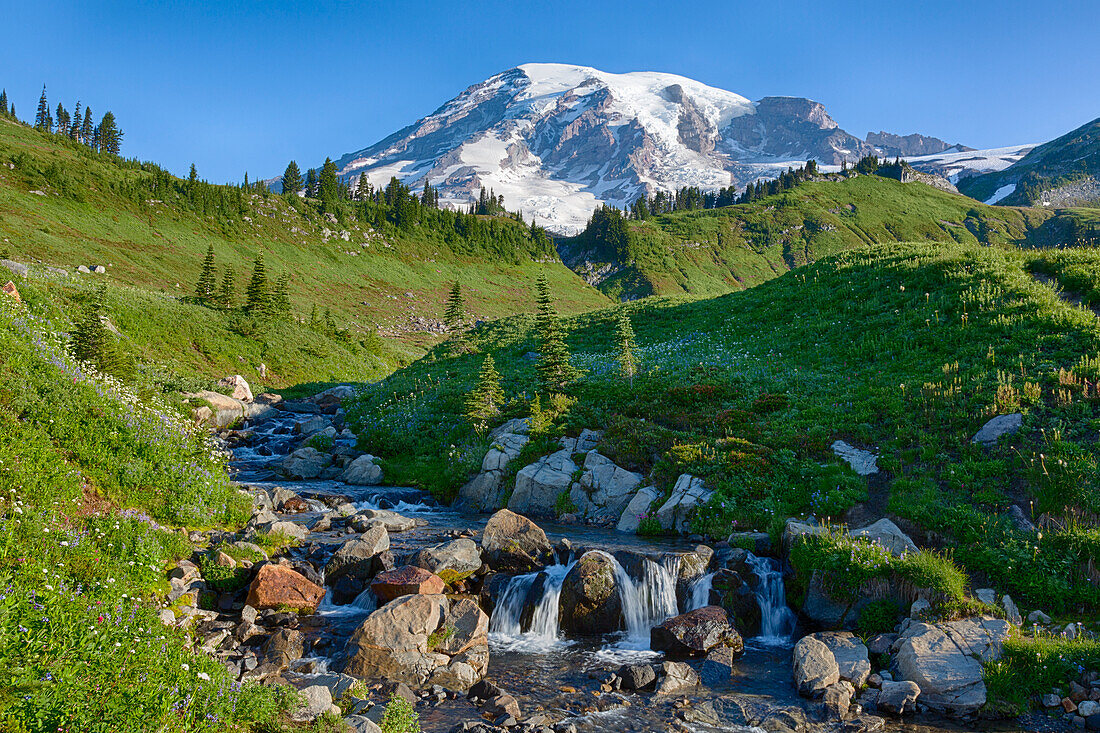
1034	666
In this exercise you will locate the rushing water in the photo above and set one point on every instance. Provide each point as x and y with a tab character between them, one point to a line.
544	631
777	621
699	592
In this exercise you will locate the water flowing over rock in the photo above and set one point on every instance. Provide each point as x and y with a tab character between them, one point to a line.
278	585
605	489
777	621
539	484
688	494
815	667
513	542
695	633
590	600
945	661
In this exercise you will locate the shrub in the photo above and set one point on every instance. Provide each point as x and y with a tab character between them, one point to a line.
878	617
1030	667
400	717
564	503
650	527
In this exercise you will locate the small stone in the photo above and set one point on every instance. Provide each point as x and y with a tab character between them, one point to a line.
1038	617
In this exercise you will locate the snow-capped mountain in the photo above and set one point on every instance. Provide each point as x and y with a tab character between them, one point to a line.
557	140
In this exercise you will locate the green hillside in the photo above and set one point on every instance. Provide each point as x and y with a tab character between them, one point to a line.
715	251
906	349
1072	157
64	205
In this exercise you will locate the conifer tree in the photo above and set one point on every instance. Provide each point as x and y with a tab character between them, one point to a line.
62	120
484	402
554	368
539	421
225	292
87	131
205	289
329	191
624	339
258	294
292	179
4	102
93	343
455	313
78	123
109	136
280	297
311	183
363	188
42	119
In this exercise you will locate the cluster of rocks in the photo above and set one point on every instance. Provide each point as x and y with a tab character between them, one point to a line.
589	486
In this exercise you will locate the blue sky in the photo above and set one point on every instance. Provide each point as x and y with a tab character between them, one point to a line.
236	86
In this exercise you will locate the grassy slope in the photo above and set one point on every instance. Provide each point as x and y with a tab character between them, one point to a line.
81	219
715	251
750	389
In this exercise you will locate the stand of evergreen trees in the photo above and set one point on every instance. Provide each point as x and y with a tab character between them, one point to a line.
80	126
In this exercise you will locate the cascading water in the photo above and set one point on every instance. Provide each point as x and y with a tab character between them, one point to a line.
777	622
544	632
364	604
646	601
699	592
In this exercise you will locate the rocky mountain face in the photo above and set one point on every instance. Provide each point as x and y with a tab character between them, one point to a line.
1059	173
909	145
557	140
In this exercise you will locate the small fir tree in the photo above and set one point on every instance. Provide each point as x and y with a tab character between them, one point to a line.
554	369
539	420
292	179
4	102
455	313
484	402
624	339
280	298
258	294
225	292
208	282
94	344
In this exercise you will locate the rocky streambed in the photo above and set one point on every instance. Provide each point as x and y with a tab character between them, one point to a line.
494	623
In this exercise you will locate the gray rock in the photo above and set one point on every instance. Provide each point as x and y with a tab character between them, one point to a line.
1020	520
815	667
590	600
392	521
864	463
919	607
636	508
363	471
988	596
678	677
539	484
605	489
837	699
795	530
586	441
850	654
997	428
945	661
316	701
888	535
357	556
1038	617
898	698
688	494
17	268
1012	613
305	463
513	542
637	676
717	668
310	426
451	561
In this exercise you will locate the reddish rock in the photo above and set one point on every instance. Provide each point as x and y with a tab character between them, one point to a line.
10	289
695	633
277	585
295	505
406	580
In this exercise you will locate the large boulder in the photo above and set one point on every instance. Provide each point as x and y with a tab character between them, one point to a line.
539	484
687	495
305	463
795	530
239	389
356	557
678	677
898	698
405	580
513	542
945	661
695	633
392	521
363	471
485	492
815	667
590	602
888	535
278	585
605	489
452	561
850	653
637	508
997	428
422	639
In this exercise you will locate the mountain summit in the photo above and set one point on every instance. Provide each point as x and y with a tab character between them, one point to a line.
557	140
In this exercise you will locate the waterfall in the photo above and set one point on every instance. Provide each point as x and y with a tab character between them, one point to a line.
699	592
544	631
777	622
646	601
364	604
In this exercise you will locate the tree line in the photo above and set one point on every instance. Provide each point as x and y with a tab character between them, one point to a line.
80	126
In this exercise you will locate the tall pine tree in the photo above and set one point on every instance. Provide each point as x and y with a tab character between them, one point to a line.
280	298
624	340
258	293
554	369
292	179
42	120
311	183
87	130
4	102
329	191
454	315
205	289
108	135
484	402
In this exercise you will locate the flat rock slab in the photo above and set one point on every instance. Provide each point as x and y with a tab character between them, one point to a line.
863	462
406	580
278	585
997	428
